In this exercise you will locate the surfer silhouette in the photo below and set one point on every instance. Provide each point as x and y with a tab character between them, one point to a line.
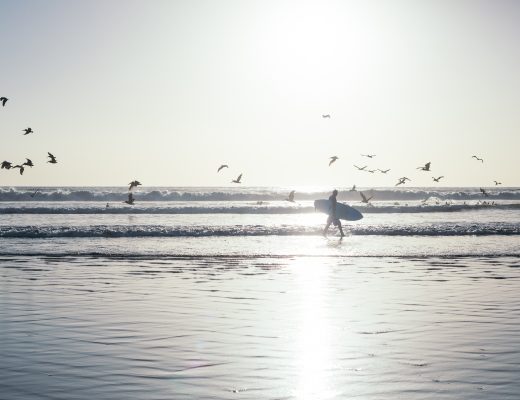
332	218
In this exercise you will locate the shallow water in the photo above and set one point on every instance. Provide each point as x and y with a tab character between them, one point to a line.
285	327
203	293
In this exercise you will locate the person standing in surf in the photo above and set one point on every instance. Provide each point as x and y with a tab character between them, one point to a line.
333	219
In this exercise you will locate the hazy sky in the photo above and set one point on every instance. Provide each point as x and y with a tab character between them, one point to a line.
166	91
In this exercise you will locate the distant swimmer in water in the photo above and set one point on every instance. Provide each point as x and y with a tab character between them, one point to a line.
332	219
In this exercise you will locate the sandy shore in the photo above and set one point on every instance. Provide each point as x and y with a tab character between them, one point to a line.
251	328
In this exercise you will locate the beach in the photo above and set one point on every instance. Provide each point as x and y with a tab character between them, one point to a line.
136	303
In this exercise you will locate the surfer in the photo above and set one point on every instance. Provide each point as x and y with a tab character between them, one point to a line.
332	219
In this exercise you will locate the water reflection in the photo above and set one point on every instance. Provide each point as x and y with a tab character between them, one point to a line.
313	354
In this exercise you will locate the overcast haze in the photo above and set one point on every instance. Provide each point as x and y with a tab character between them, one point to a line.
166	91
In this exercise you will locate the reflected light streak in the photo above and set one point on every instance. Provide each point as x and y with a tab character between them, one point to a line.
314	335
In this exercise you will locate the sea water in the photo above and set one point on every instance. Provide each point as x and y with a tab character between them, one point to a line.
234	293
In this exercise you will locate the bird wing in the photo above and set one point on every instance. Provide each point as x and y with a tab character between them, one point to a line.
363	196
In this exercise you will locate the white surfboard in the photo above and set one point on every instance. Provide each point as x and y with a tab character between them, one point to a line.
343	211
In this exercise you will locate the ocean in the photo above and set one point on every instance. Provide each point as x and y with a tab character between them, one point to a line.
225	293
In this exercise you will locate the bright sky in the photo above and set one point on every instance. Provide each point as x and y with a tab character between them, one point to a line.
166	91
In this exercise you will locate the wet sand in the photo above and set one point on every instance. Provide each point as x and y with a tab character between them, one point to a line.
260	328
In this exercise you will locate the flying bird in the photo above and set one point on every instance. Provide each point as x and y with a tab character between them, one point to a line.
130	199
426	167
133	184
383	171
478	159
325	116
27	131
6	165
486	194
360	168
333	160
353	189
371	170
237	180
368	155
497	183
3	100
29	163
222	166
437	179
35	193
364	198
52	158
21	168
402	181
291	197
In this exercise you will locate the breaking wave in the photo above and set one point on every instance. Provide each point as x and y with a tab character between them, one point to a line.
245	194
242	209
124	231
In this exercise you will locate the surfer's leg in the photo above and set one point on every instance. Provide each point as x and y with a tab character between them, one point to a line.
329	221
340	228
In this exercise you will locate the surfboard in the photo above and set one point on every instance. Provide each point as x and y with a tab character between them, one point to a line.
342	210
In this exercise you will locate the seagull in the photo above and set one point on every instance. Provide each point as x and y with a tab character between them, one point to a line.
364	198
484	192
437	179
371	170
426	167
402	181
3	100
27	131
35	192
291	197
497	183
353	189
237	180
52	158
325	116
222	166
6	165
332	160
368	155
130	199
21	168
133	184
360	168
29	163
383	171
477	158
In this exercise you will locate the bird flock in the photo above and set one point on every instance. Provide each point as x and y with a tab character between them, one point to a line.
332	160
7	165
365	168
